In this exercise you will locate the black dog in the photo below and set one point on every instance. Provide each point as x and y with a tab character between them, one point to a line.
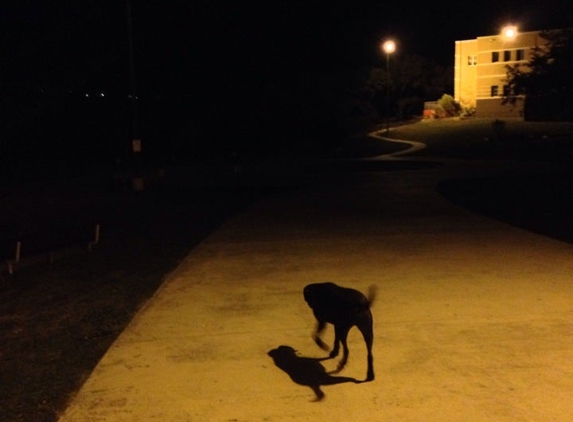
344	308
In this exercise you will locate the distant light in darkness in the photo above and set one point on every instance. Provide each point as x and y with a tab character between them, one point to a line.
509	31
389	46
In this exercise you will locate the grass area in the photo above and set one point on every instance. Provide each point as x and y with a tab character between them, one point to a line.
541	203
477	139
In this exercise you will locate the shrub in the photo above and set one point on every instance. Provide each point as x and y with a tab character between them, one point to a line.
449	105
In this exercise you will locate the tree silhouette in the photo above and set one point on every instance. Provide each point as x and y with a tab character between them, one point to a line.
545	80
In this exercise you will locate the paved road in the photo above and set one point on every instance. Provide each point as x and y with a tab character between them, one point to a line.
472	319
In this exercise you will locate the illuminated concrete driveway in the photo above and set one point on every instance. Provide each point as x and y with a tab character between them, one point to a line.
473	319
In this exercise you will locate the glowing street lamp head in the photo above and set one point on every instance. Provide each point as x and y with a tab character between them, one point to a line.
389	47
509	32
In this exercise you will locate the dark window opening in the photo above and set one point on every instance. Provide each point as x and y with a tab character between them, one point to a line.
520	55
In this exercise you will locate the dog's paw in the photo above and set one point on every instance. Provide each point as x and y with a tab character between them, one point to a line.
322	344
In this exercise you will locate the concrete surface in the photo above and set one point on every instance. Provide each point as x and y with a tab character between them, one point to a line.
472	322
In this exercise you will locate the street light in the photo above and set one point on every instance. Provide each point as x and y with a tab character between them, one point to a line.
389	47
509	32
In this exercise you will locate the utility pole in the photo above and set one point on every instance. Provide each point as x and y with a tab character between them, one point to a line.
137	181
389	47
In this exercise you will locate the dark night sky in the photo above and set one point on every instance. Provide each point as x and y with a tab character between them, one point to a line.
185	44
211	74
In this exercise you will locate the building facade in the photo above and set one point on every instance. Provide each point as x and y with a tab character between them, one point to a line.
480	75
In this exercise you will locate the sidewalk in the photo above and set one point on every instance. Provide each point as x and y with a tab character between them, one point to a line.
472	321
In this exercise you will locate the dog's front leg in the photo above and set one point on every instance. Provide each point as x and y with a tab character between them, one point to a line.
320	326
341	333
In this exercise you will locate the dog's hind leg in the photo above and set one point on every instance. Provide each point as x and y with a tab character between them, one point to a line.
365	328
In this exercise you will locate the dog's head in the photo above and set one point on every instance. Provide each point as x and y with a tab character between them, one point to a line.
313	292
310	293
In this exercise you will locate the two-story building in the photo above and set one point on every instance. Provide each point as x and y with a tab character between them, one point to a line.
480	75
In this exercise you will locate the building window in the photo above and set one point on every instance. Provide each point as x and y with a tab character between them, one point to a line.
494	90
506	56
472	60
506	90
520	54
495	56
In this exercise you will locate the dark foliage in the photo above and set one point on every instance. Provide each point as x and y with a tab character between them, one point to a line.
545	79
410	82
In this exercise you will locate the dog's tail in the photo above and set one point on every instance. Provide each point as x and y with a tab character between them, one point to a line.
372	290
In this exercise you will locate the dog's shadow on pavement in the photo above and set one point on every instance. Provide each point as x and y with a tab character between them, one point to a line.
306	371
